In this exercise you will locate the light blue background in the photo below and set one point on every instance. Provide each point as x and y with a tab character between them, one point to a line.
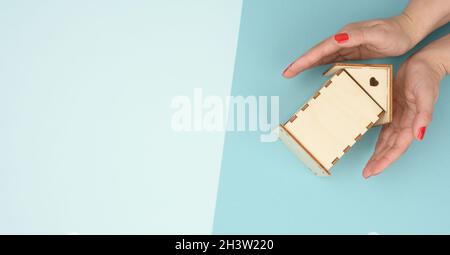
264	189
86	144
85	139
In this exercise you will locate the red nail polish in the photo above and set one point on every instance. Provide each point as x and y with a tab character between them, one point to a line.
287	68
421	134
341	37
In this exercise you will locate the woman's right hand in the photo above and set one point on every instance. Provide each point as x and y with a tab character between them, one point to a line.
361	40
416	90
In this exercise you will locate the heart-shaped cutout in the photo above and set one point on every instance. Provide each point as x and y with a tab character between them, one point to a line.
373	82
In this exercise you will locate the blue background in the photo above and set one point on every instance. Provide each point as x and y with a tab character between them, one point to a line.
264	189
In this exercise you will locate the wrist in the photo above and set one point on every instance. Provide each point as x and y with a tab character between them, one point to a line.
427	60
422	17
406	24
437	54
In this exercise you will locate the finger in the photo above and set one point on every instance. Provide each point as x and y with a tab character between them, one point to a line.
335	57
383	144
385	139
345	39
401	144
340	55
382	151
314	55
385	133
391	137
424	111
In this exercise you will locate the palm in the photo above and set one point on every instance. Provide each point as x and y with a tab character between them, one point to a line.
414	96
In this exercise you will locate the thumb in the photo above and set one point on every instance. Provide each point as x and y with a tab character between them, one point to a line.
364	35
424	112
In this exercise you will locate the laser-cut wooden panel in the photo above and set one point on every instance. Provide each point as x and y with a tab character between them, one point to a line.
301	153
380	74
325	128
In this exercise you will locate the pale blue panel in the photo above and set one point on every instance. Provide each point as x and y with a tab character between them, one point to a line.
265	189
86	142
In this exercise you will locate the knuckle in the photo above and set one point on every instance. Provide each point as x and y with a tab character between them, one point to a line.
409	95
381	30
349	25
427	116
417	64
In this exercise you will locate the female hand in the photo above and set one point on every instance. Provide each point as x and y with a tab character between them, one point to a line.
361	40
416	90
376	38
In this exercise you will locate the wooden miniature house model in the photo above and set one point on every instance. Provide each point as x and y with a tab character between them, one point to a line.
354	99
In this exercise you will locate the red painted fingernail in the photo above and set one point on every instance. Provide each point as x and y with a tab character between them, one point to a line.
287	68
341	37
421	134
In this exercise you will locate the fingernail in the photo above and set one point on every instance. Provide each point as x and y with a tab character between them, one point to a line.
287	68
341	37
366	175
421	134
